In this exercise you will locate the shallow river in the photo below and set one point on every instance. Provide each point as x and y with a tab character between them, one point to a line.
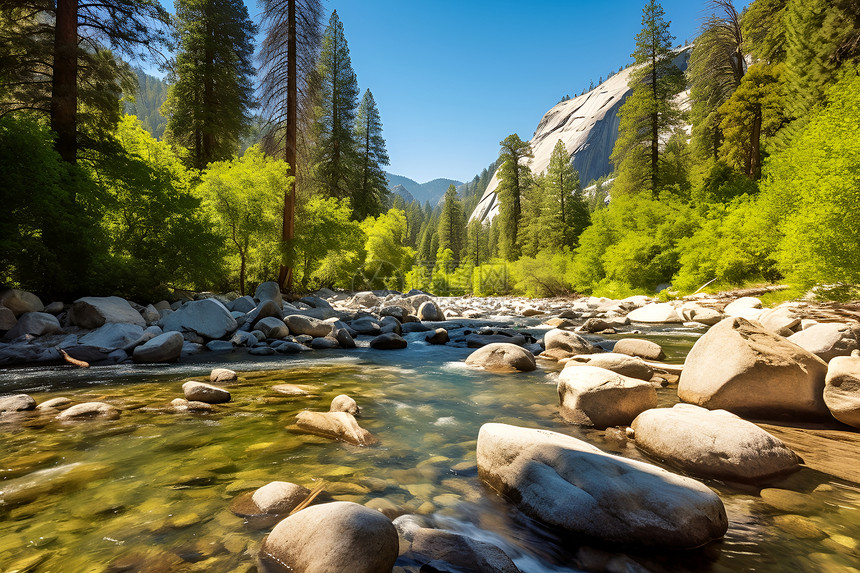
151	491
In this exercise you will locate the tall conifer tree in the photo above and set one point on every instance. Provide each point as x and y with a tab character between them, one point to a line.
649	110
208	106
452	223
515	178
335	145
370	191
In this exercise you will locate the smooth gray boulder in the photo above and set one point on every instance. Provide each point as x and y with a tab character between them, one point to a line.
17	403
842	389
202	392
208	318
366	325
21	301
639	347
390	324
166	347
333	537
568	483
624	364
343	337
828	340
566	342
266	309
388	341
92	312
429	311
503	357
300	324
439	336
339	426
655	313
113	335
444	549
273	327
35	324
7	319
591	396
269	291
243	304
279	497
325	343
88	411
742	367
712	443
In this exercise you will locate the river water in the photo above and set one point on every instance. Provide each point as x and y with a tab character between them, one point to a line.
151	491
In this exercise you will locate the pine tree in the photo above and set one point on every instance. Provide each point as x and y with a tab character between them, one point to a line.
563	213
452	224
287	63
650	109
208	106
764	31
515	179
336	156
55	59
370	191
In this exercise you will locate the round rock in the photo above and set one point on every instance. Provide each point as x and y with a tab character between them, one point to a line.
202	392
279	497
89	411
592	396
388	341
222	375
639	347
842	389
503	357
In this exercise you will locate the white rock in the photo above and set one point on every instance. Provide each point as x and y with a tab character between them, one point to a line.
842	389
222	375
741	306
592	396
657	313
567	483
781	320
336	426
631	366
713	444
639	347
829	339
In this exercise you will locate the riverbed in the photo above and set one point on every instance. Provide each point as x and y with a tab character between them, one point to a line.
152	490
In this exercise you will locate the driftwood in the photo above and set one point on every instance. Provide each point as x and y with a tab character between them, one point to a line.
310	498
73	361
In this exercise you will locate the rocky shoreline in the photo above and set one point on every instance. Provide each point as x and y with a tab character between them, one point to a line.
782	364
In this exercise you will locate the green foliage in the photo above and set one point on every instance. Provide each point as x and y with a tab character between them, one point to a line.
244	196
329	245
815	185
387	259
370	192
764	30
545	274
208	104
514	180
452	224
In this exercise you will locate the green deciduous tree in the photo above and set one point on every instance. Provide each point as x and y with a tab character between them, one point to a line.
650	110
370	191
329	245
245	196
335	159
515	178
209	102
452	224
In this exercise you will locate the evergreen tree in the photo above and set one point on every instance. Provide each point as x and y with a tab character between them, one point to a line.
451	227
336	154
764	31
55	58
515	179
716	68
208	104
287	62
650	109
477	249
563	212
370	192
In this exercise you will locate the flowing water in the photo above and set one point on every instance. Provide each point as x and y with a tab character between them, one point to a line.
151	491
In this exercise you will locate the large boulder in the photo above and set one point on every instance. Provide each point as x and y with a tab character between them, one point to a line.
21	301
93	312
781	320
657	312
592	396
566	342
7	319
748	307
339	426
741	367
202	392
266	309
273	327
269	291
388	341
569	484
503	357
712	443
639	347
631	366
444	549
165	347
842	389
89	411
208	318
338	536
299	324
429	311
829	339
113	335
36	324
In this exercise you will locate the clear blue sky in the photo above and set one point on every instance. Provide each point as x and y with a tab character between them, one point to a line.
453	78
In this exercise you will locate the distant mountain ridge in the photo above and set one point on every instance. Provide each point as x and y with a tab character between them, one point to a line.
431	191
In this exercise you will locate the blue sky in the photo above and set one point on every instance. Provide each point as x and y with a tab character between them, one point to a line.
453	78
